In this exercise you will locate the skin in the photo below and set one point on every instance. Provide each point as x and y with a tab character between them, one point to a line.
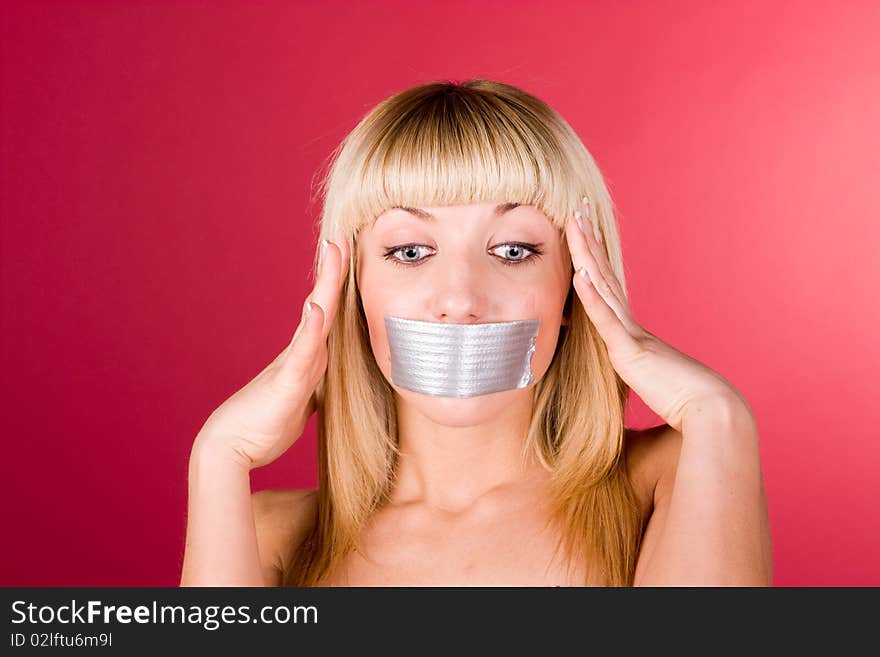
465	510
461	476
457	275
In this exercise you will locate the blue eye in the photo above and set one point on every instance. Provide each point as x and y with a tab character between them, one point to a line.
515	249
411	250
519	253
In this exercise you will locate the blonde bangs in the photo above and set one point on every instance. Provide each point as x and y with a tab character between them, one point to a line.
442	147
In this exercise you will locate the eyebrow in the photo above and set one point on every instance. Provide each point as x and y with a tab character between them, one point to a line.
499	210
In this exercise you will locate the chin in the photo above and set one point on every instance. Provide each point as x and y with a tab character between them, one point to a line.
461	411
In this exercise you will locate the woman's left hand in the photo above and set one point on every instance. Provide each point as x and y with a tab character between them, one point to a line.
668	381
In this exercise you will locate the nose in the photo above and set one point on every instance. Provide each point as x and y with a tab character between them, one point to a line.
460	294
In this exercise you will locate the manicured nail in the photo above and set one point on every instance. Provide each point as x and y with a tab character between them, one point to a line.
583	272
308	310
586	203
578	216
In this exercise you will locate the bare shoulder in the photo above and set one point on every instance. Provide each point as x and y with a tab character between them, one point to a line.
282	519
652	459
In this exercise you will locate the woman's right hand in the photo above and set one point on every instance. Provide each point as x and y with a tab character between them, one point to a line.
261	421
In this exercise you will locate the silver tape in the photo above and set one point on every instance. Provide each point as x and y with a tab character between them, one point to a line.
460	360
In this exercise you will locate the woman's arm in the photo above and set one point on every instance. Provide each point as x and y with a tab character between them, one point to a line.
221	537
710	524
251	429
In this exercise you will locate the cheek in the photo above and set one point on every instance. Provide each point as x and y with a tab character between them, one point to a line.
546	305
376	292
380	297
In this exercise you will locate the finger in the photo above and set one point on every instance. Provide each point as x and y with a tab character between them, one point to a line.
600	313
304	316
278	361
309	336
597	249
598	253
582	256
301	354
617	337
332	272
597	234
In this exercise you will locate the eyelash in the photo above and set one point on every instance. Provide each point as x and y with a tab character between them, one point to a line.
534	248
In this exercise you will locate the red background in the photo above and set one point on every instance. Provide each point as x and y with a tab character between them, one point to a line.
157	164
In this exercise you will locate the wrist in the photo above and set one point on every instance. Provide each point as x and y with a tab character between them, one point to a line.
219	451
729	412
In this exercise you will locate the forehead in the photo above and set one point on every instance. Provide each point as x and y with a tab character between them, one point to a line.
487	211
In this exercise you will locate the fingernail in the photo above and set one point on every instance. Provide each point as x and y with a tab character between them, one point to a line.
308	309
586	203
578	216
583	272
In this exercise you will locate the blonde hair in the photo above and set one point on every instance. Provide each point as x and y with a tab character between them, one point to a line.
447	144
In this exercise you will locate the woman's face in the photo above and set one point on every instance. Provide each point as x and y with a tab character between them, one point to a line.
469	264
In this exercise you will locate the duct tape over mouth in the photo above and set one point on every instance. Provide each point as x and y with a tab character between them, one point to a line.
460	360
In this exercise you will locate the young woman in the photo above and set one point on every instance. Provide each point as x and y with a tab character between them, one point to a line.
468	348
